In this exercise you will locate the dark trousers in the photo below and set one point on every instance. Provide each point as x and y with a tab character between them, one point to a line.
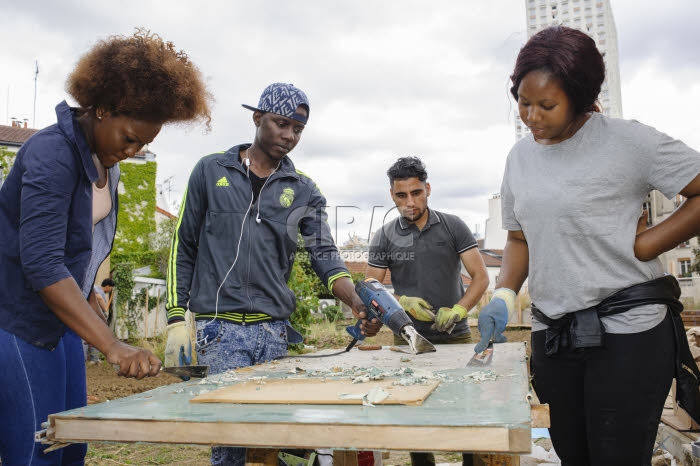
605	403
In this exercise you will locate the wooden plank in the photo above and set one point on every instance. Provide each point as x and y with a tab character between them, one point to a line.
540	416
473	409
317	391
402	438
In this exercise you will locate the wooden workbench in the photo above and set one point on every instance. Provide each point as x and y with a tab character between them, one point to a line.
478	409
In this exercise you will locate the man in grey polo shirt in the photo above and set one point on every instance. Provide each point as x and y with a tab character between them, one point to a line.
424	249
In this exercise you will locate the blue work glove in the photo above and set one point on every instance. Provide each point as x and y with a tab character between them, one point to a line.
494	317
178	347
447	318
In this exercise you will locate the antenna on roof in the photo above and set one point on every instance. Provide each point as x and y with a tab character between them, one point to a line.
36	74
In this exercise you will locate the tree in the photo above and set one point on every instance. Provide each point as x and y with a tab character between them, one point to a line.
7	159
160	244
305	285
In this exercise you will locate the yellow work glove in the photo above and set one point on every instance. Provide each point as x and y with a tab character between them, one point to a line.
447	318
419	308
178	347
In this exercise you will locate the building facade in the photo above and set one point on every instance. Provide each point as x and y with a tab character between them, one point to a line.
11	139
595	18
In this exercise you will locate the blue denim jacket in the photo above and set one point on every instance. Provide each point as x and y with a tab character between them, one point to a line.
46	227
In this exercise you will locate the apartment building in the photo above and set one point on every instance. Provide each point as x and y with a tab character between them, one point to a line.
595	18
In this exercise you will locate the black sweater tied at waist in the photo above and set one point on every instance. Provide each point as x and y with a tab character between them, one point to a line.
583	329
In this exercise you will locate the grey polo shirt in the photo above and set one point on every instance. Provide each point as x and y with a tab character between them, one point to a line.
425	263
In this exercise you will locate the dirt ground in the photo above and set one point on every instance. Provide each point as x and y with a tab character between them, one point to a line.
104	385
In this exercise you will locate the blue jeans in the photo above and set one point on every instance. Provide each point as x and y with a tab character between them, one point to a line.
90	353
35	383
224	346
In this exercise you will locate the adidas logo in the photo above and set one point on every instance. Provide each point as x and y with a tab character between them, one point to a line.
222	182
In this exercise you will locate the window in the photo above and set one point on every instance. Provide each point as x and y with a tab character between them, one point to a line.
678	200
647	206
684	268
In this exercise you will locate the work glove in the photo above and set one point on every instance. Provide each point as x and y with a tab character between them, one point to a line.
419	308
178	347
494	317
448	317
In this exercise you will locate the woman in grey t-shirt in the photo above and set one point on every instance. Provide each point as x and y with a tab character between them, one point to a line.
571	198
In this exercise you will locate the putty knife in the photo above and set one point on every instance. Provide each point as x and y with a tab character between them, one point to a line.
198	372
483	358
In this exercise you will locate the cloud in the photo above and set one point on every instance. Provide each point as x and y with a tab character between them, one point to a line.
385	79
667	33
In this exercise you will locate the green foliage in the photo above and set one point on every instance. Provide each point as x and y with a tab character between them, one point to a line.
333	313
318	288
123	276
308	289
695	267
131	306
160	246
7	159
357	276
301	283
136	218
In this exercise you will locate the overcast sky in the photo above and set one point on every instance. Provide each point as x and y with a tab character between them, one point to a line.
384	79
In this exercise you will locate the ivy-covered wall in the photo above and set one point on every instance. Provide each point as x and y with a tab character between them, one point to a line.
7	159
136	219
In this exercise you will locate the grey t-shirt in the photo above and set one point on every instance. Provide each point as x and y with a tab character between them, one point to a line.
577	203
425	263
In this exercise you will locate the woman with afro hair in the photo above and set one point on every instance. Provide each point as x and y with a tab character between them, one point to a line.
58	209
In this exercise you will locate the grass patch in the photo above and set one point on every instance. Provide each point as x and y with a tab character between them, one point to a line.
102	454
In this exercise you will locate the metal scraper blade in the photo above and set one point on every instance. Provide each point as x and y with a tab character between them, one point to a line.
482	359
198	372
417	342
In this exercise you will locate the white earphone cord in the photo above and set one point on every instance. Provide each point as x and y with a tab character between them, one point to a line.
240	238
